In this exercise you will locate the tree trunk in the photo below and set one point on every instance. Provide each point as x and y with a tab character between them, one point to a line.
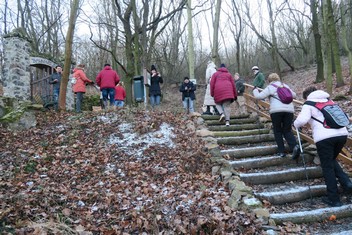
215	49
327	46
68	53
317	41
334	44
274	50
190	40
345	40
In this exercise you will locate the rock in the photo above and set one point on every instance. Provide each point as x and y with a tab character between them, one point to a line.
262	213
215	170
252	202
232	203
204	133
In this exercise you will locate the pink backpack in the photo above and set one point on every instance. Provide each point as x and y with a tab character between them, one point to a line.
284	94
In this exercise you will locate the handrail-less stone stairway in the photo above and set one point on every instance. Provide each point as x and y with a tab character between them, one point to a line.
293	189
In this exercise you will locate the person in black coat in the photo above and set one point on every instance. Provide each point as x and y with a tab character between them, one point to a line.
154	87
187	88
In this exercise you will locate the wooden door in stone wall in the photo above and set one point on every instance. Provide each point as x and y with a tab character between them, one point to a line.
41	89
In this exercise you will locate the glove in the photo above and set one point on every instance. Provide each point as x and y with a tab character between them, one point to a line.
92	83
236	98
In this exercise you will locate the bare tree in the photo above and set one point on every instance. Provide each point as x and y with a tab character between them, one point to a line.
333	37
317	41
190	40
345	39
215	49
68	53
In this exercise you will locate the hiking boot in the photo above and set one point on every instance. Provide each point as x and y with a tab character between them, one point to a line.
207	112
281	154
296	152
331	203
216	111
222	118
227	123
347	188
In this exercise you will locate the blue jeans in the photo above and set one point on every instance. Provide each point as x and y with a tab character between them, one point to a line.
154	100
79	99
56	93
188	104
108	92
119	103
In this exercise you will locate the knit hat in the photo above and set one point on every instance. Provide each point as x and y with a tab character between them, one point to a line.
222	66
81	66
153	67
186	78
107	64
255	68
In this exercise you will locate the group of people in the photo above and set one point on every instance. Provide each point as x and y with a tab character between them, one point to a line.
222	90
329	141
112	89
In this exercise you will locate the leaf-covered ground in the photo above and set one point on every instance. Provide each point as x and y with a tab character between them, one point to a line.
125	172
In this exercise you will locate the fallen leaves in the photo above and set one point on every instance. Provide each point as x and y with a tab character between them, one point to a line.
70	173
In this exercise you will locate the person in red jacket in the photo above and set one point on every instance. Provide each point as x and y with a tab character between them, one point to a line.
107	79
79	88
223	89
120	95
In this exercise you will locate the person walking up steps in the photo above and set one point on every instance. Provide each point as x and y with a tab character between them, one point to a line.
329	142
281	116
208	99
223	89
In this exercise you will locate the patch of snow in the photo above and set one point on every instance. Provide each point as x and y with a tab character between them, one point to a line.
134	144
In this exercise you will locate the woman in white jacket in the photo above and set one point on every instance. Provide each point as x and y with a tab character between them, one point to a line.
208	99
329	144
281	116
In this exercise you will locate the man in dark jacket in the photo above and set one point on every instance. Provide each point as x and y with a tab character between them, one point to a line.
107	79
187	88
55	79
154	87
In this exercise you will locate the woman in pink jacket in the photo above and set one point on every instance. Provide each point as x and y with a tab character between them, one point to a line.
79	88
223	89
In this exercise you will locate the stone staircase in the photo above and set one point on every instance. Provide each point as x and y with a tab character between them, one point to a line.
291	191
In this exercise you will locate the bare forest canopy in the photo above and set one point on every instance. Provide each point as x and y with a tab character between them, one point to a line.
276	35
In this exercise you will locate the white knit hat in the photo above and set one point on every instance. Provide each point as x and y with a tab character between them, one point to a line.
255	68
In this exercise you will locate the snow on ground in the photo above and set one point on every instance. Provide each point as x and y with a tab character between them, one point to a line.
134	143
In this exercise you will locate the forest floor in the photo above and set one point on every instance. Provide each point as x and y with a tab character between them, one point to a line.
125	172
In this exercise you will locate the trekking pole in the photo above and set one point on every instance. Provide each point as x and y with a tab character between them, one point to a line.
304	163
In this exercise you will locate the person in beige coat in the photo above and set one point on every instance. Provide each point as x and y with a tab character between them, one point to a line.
208	99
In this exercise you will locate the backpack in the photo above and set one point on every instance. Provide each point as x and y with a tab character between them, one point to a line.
284	94
334	116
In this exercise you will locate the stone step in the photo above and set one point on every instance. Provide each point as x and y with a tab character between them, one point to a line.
262	162
247	152
246	139
248	126
240	133
216	117
307	216
273	177
232	121
292	194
